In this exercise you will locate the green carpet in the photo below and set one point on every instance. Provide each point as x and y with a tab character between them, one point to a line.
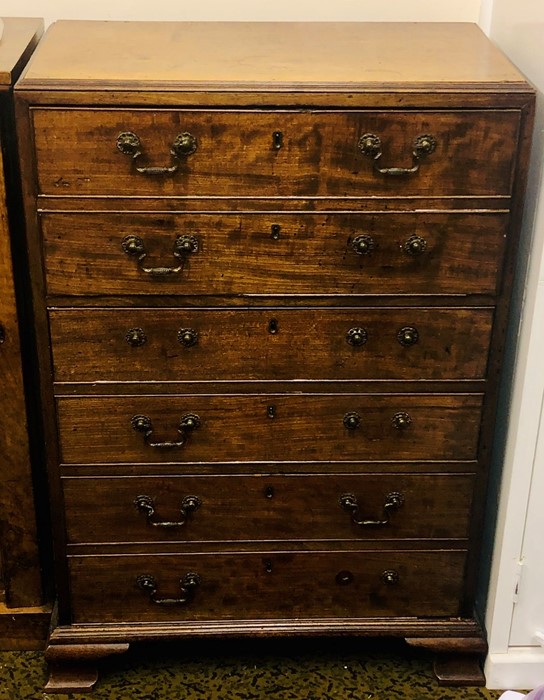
293	669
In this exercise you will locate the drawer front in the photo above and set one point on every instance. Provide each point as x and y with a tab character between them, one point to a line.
401	253
189	344
149	429
271	507
276	585
317	154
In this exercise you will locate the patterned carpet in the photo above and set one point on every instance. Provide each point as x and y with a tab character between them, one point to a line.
293	669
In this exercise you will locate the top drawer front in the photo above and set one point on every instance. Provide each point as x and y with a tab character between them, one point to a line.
273	154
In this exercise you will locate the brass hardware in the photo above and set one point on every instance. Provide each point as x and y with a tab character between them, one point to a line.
401	420
130	145
363	245
415	245
275	228
186	244
371	145
390	577
143	424
343	578
2	333
188	337
183	245
188	584
271	411
133	245
408	336
190	421
352	421
146	505
277	140
273	326
269	492
136	337
357	336
393	502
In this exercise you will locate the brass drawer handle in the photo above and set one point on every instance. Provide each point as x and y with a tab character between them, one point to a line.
401	421
130	145
415	246
393	502
371	145
187	584
357	336
363	244
146	505
143	424
352	420
187	337
408	336
185	245
390	577
136	337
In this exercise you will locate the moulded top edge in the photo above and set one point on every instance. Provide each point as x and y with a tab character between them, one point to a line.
268	56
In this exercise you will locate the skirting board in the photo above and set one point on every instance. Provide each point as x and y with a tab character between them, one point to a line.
522	668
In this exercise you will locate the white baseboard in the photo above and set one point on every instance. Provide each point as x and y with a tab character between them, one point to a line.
521	668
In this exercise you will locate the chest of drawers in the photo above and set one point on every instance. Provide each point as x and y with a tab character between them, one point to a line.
271	278
20	576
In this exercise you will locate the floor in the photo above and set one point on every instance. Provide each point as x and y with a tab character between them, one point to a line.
248	670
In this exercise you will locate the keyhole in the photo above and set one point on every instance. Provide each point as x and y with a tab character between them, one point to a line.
267	566
344	578
271	411
269	492
273	326
275	228
277	140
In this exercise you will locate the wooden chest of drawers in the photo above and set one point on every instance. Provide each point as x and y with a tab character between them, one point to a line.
272	290
20	575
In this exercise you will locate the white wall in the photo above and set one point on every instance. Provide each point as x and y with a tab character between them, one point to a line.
317	10
515	659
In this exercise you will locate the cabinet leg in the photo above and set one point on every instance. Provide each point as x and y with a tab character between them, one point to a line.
73	667
458	661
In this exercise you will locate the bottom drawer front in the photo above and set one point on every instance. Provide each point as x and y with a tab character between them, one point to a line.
267	507
274	585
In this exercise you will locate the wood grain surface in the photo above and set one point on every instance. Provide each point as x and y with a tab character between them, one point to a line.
238	586
312	254
77	154
238	428
267	507
281	343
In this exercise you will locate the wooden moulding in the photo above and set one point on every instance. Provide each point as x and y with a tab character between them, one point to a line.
23	629
72	668
73	652
458	660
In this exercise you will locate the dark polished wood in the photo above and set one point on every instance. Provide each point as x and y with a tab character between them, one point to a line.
73	669
20	566
240	428
458	661
23	629
76	153
286	507
253	586
311	253
220	344
297	245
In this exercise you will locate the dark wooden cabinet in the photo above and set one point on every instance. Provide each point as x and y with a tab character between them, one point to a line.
23	619
271	289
